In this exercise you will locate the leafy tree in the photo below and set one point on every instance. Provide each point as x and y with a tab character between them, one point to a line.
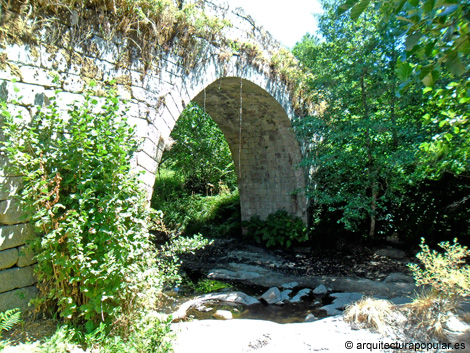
364	136
201	154
438	54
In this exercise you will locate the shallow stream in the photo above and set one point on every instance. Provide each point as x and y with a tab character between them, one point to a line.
285	313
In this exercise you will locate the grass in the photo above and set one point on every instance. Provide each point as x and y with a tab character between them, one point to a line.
428	313
376	314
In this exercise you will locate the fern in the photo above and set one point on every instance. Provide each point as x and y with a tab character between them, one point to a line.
8	319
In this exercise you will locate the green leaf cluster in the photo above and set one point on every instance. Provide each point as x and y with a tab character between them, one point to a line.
94	252
8	319
362	141
437	53
279	229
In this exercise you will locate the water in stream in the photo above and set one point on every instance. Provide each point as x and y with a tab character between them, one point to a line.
286	313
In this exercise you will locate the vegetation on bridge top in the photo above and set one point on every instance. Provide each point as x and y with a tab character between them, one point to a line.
146	30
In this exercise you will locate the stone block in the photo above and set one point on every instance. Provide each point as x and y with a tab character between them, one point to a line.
11	213
9	186
20	113
29	94
64	99
16	277
23	54
18	298
149	146
141	126
37	76
73	84
25	256
11	71
15	235
146	177
8	258
53	58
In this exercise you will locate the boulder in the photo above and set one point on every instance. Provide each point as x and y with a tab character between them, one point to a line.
223	314
398	277
340	301
272	296
401	300
457	331
285	294
301	294
310	318
235	336
230	297
290	285
320	290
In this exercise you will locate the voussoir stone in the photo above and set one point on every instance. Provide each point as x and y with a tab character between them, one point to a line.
8	258
15	235
16	277
17	298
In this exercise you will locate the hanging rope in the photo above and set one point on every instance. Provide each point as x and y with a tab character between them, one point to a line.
240	130
204	100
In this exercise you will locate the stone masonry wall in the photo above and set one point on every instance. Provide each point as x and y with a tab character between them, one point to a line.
156	98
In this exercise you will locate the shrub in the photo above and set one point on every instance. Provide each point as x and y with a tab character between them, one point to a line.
445	278
446	273
279	229
94	256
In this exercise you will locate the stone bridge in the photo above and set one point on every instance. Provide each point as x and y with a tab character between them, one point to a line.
237	75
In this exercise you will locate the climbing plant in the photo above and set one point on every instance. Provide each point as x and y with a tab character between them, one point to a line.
94	253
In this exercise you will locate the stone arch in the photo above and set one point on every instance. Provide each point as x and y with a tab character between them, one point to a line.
268	171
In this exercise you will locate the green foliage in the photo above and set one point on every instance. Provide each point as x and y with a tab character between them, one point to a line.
437	54
363	139
279	229
149	334
94	256
200	155
167	255
205	286
447	273
8	319
213	216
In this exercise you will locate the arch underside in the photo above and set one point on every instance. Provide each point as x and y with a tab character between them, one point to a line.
267	160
